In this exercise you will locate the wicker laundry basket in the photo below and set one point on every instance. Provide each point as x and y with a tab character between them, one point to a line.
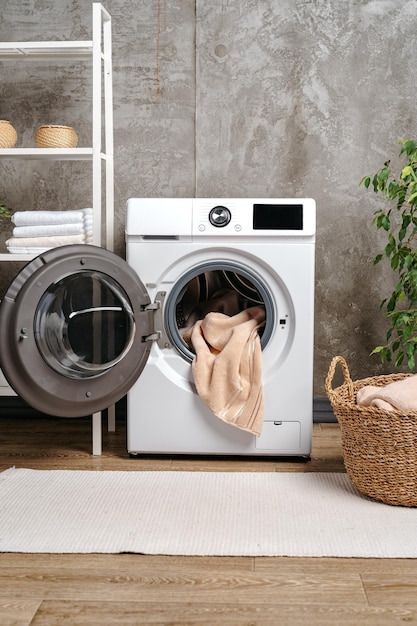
379	446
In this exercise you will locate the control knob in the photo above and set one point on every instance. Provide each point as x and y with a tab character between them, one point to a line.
220	216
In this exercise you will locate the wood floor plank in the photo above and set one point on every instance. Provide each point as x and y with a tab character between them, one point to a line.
363	566
70	613
128	563
211	586
391	589
18	612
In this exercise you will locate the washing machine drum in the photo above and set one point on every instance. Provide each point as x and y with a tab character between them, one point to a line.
73	330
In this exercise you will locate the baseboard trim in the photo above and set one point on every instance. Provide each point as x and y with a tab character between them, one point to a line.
323	412
13	406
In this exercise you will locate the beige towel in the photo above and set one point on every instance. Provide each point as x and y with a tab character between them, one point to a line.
227	368
400	395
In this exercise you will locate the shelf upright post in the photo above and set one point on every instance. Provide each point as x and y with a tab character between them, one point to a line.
102	66
109	157
96	124
108	128
96	165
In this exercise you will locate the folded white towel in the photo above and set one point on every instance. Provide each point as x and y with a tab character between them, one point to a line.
27	250
46	230
46	242
32	218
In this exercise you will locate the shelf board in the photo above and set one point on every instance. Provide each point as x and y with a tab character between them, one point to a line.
7	256
69	154
38	50
7	391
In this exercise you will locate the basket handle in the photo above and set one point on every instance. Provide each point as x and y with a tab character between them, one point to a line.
346	375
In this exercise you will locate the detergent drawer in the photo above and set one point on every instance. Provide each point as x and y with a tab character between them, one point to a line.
279	436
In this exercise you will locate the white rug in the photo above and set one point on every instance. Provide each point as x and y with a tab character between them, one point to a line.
198	513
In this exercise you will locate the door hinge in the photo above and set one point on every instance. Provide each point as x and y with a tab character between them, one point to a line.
159	335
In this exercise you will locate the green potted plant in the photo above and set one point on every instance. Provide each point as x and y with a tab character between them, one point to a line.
399	220
5	211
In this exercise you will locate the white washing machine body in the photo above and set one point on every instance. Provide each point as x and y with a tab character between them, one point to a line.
180	248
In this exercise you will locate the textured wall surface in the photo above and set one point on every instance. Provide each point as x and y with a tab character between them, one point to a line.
235	98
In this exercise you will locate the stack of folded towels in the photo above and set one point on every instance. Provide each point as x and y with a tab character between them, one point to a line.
37	231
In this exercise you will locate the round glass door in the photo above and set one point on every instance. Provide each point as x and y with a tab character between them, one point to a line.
84	324
73	330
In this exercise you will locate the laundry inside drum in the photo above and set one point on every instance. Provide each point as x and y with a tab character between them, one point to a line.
222	291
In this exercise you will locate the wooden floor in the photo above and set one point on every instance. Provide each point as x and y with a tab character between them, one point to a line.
127	589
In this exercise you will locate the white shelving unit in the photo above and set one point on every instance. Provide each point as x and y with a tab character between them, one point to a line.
98	51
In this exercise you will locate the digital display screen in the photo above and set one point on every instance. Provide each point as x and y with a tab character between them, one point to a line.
278	217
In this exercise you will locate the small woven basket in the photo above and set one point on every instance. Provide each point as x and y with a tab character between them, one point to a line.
379	446
53	136
8	135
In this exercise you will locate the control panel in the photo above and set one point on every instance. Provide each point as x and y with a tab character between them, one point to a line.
253	217
185	219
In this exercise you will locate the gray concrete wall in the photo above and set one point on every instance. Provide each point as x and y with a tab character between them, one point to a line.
236	98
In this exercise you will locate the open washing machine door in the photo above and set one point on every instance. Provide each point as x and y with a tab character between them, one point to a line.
75	330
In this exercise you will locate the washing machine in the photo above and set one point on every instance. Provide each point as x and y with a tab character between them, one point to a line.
256	252
80	328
